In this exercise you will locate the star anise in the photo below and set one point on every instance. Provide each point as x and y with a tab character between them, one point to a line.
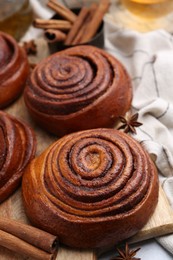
30	47
32	65
126	254
130	124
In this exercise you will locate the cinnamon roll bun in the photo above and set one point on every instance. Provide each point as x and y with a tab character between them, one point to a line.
92	188
78	88
14	69
17	148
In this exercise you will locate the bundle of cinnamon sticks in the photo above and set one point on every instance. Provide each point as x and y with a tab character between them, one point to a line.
73	29
27	240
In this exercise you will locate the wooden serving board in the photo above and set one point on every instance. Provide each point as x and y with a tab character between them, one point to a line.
161	222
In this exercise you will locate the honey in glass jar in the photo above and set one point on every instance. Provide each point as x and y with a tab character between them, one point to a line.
15	17
149	9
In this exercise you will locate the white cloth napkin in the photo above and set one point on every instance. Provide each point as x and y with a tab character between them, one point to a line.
149	60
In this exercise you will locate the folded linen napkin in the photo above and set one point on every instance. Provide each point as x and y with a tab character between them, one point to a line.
148	58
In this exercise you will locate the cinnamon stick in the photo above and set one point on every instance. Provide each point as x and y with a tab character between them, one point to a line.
62	10
76	26
30	234
79	37
52	24
96	21
21	247
53	35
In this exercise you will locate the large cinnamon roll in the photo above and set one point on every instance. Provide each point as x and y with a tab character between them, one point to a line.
17	148
92	188
14	69
76	89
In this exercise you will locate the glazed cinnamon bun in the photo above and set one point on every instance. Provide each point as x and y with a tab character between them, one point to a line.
92	188
17	148
14	69
78	88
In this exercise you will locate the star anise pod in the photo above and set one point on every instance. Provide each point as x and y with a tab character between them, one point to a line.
30	47
32	65
130	124
126	254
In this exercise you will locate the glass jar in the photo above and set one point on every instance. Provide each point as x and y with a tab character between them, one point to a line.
149	8
15	17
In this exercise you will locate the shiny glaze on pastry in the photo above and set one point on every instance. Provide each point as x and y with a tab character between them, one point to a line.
14	69
92	188
79	88
17	148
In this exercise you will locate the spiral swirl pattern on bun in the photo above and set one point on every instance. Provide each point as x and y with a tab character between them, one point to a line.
17	148
14	69
93	188
78	88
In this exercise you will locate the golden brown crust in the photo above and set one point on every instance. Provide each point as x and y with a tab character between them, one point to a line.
76	89
14	69
17	148
93	188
